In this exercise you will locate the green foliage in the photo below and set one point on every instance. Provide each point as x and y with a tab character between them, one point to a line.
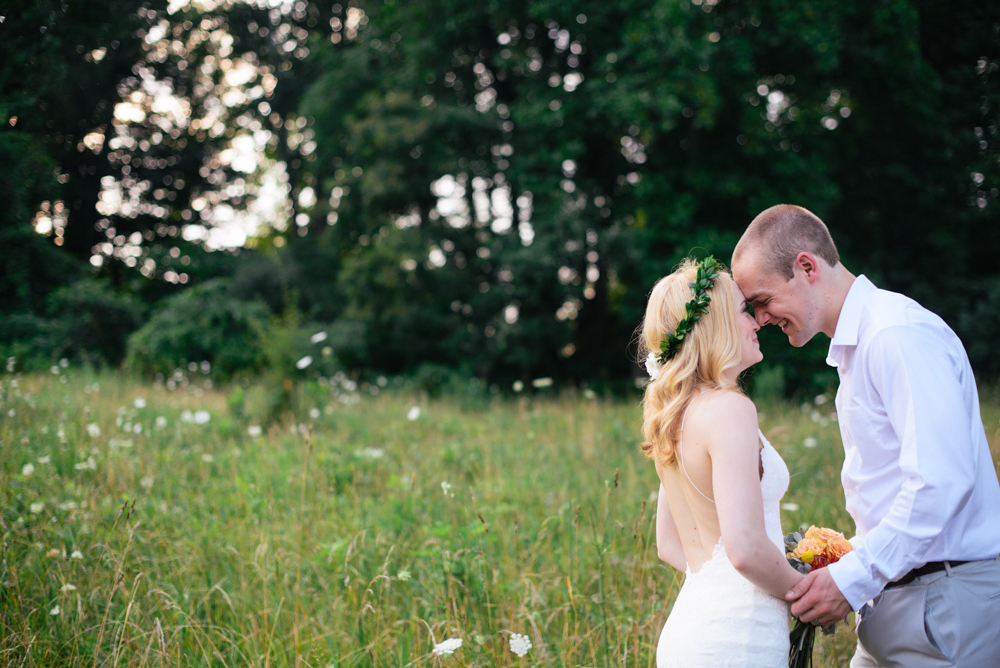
84	321
93	322
587	148
708	270
202	324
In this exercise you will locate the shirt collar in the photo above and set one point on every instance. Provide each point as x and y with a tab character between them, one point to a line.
849	321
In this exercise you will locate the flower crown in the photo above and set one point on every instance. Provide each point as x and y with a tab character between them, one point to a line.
708	271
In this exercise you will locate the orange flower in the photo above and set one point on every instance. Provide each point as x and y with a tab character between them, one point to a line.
821	547
837	548
822	535
808	547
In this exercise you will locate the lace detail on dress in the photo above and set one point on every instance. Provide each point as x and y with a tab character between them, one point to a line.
721	619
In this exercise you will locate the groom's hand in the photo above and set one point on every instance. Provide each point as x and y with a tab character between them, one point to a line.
818	599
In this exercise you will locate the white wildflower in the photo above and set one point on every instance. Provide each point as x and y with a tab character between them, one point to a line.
445	487
161	422
76	555
304	362
314	413
519	644
91	464
653	365
403	575
518	386
810	442
207	458
139	402
541	382
446	647
67	587
67	505
137	428
64	363
790	507
413	414
55	611
147	482
93	430
187	416
202	417
37	507
27	470
318	337
44	459
54	553
255	431
371	453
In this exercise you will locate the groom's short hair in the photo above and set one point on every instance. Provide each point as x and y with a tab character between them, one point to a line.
781	233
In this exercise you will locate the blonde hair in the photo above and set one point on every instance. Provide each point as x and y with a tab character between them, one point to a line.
708	351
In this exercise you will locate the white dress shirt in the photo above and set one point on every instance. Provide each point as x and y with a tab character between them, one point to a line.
918	475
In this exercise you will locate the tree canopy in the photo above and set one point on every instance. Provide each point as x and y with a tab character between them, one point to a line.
494	187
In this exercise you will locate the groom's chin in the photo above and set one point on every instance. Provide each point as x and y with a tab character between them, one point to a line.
797	339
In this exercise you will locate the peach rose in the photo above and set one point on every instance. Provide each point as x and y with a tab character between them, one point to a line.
837	548
822	535
807	549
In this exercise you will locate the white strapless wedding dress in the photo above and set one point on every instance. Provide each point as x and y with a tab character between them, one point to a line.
720	619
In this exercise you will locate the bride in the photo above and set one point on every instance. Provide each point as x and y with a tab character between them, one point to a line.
721	482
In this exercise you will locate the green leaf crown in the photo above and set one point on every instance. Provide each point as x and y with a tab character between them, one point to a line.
708	271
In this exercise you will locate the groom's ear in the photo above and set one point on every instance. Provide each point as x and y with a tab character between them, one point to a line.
807	263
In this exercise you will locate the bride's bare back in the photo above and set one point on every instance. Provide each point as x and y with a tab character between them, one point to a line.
712	491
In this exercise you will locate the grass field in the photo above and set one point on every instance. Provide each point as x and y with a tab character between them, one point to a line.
138	534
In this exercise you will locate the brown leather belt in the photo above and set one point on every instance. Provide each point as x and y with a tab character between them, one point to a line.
926	569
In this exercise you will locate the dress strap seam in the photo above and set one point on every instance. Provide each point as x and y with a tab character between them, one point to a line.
680	447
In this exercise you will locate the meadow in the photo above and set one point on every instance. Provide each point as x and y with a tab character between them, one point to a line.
149	526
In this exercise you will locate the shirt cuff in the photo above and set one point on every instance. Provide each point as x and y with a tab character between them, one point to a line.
853	580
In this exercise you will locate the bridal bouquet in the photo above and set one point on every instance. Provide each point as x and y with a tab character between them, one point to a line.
819	548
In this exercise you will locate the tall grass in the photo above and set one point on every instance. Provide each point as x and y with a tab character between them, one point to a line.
356	538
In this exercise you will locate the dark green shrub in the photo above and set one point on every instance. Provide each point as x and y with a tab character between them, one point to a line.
86	321
92	322
202	323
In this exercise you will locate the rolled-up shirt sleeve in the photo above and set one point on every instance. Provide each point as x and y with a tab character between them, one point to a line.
923	398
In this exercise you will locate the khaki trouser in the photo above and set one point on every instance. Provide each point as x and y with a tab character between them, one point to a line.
941	619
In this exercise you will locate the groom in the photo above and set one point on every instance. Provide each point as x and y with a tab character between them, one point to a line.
918	476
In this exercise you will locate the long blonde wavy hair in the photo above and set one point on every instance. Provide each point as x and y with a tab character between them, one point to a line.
708	351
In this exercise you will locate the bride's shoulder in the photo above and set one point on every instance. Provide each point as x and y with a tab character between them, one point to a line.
728	400
725	410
